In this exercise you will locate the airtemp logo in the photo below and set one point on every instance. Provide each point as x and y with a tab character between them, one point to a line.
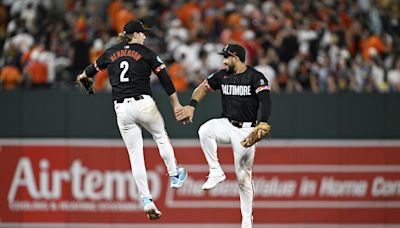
75	188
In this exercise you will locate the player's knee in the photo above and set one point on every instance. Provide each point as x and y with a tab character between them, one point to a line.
203	131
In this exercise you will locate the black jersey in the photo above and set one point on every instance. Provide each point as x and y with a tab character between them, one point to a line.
129	68
240	92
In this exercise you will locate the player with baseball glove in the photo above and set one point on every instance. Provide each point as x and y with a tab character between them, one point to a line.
244	92
129	65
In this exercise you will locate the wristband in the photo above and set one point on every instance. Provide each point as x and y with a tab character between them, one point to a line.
193	103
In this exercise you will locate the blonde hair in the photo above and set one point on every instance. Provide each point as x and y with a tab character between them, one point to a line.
124	38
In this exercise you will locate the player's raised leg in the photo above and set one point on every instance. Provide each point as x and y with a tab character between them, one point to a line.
211	133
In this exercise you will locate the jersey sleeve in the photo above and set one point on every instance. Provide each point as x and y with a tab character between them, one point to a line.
157	66
260	83
214	80
102	62
155	62
261	87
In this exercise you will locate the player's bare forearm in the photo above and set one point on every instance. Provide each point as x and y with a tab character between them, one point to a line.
173	98
176	105
200	91
185	115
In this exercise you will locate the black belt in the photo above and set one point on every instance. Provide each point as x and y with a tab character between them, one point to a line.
239	124
138	97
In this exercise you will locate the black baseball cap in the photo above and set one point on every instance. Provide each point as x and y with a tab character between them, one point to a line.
234	50
134	26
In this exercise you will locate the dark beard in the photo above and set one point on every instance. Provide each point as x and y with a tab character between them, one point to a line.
230	69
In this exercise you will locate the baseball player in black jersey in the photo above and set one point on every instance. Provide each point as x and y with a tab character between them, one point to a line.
129	66
244	91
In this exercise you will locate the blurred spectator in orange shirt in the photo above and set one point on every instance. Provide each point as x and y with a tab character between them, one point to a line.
178	76
233	21
81	24
102	76
36	70
112	10
26	56
371	42
186	12
123	16
10	77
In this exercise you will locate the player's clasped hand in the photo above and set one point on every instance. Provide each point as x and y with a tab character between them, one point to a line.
185	114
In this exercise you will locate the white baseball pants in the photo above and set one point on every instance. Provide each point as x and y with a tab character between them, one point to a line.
131	116
222	131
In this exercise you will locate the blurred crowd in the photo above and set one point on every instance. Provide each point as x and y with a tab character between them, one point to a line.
300	45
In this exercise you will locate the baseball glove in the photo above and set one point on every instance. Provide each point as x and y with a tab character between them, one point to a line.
86	85
259	132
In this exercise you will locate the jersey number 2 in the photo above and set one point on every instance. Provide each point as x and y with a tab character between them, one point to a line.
124	65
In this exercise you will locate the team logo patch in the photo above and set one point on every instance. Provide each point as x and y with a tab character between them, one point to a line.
262	82
126	47
159	59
